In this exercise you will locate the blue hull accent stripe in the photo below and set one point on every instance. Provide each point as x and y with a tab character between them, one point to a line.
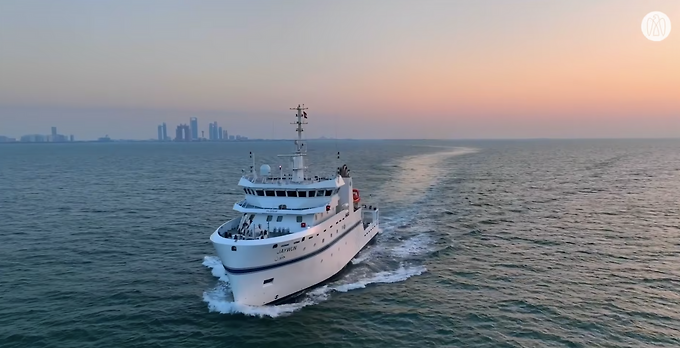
303	257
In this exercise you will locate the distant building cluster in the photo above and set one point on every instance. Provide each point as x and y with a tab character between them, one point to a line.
189	132
53	137
183	133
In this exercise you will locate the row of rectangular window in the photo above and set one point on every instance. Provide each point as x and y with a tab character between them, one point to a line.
280	218
305	194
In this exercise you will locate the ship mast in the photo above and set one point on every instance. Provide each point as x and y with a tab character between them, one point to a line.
298	161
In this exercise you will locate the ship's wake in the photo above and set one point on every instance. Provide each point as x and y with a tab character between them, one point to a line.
408	236
220	299
409	230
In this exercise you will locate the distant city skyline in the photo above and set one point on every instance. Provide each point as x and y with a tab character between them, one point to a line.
380	69
183	132
187	132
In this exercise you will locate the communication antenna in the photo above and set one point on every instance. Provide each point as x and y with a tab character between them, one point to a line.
297	158
252	166
300	113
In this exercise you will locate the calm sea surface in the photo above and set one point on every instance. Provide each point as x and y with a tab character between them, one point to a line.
485	244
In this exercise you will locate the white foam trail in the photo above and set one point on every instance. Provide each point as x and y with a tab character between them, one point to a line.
216	268
220	300
418	173
398	275
365	254
414	246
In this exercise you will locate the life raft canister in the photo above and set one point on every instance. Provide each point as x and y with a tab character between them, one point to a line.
355	196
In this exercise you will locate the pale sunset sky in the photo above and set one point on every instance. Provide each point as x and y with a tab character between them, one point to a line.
366	69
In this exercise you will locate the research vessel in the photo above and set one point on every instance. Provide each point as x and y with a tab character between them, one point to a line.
295	230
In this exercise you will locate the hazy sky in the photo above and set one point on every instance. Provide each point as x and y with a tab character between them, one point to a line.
370	68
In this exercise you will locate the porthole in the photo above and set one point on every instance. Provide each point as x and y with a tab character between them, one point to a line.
274	246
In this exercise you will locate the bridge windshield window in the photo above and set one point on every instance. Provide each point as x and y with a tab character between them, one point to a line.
299	219
302	193
260	192
280	193
245	190
320	193
312	193
269	218
279	218
291	193
269	193
329	192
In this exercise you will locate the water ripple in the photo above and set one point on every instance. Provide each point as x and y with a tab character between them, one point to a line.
486	244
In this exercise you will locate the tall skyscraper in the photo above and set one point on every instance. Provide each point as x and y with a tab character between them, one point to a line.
183	133
193	121
215	129
54	132
160	133
187	133
178	133
210	131
165	132
219	133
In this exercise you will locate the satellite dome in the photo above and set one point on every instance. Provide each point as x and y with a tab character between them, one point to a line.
265	170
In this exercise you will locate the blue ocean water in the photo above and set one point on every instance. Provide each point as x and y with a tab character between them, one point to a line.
486	244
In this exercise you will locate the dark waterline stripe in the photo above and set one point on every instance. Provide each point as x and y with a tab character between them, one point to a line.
304	257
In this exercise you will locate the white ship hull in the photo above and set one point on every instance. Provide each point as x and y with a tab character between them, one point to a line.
268	270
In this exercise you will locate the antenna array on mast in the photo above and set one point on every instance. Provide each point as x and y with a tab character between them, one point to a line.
300	114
